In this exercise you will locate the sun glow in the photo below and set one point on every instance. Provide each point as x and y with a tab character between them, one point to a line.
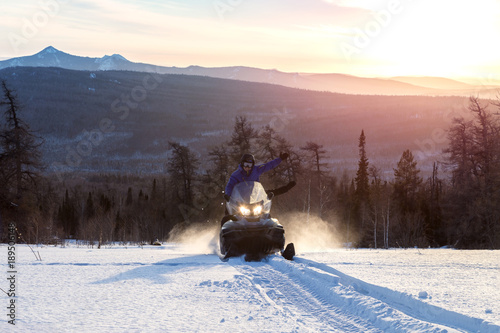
426	37
447	38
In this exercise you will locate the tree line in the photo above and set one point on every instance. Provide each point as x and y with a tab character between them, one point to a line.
455	206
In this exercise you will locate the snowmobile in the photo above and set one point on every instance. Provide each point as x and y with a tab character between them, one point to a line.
249	229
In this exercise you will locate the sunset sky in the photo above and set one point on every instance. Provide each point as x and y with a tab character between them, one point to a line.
361	37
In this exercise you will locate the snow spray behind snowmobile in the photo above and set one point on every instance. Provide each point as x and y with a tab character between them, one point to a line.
249	229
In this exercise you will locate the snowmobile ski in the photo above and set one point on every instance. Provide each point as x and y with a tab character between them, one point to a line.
289	252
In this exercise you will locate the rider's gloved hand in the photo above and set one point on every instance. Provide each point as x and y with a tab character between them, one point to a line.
283	156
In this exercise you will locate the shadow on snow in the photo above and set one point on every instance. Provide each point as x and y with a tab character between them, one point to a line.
156	271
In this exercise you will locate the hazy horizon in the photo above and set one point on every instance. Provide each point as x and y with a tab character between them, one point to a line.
357	37
466	80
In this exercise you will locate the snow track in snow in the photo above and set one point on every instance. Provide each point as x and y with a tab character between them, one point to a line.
406	305
295	299
169	289
322	297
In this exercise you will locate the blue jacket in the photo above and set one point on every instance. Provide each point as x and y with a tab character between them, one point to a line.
240	175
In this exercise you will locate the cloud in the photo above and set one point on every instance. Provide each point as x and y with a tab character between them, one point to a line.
290	35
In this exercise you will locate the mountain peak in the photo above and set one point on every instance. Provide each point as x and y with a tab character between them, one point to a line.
115	56
49	49
52	57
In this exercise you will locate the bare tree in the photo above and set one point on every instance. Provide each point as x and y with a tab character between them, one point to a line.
269	145
473	154
376	202
182	168
242	138
317	175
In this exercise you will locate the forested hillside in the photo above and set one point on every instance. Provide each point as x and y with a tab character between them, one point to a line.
133	156
122	121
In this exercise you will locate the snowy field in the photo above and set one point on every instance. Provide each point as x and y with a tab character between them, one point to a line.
176	288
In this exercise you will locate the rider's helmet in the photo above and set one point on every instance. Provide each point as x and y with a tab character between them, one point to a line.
247	158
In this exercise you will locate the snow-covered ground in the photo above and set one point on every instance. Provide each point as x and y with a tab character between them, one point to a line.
179	288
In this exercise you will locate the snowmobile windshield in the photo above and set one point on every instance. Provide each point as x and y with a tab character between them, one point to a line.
249	193
249	198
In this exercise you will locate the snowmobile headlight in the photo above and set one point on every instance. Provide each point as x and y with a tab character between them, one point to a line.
257	210
244	211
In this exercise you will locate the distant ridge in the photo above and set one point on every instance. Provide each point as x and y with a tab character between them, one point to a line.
433	82
333	82
93	120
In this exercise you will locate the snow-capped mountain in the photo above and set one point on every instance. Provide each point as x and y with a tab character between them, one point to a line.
333	82
51	57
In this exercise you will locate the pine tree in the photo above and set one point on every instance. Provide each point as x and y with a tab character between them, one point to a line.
67	216
407	183
20	165
376	201
361	193
129	200
432	209
242	138
410	225
361	180
154	192
20	157
89	207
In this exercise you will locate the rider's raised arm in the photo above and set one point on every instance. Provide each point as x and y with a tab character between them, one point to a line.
268	166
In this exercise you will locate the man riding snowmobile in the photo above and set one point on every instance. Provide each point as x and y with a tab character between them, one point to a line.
248	228
248	171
